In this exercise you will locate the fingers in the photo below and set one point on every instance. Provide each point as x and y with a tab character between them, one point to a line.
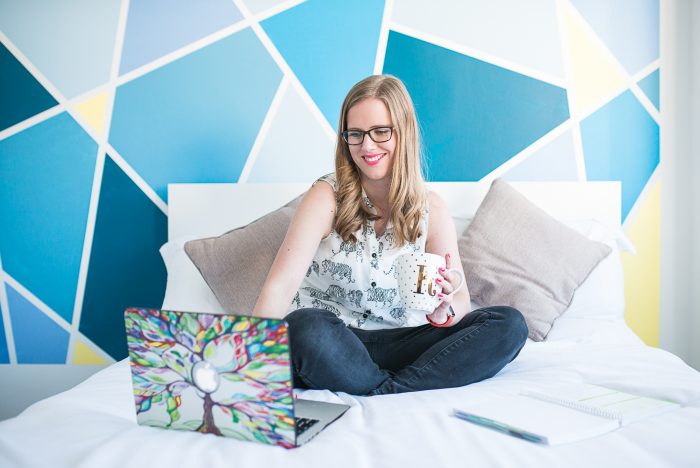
446	290
445	295
444	283
445	299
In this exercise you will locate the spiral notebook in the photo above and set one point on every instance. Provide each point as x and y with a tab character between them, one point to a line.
563	414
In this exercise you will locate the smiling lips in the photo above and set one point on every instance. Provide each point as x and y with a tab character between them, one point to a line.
373	159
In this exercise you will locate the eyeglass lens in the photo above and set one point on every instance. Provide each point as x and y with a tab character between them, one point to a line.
378	135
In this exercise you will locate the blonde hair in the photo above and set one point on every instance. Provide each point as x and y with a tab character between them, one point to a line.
407	194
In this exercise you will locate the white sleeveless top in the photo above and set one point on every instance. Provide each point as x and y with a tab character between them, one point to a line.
356	281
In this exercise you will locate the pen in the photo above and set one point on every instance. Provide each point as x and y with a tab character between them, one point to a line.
500	427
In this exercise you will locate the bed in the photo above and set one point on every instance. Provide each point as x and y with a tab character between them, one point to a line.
94	424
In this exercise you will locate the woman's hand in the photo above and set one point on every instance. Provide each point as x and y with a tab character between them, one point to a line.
442	240
441	314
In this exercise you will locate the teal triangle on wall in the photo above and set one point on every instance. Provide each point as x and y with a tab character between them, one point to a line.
126	269
474	115
21	95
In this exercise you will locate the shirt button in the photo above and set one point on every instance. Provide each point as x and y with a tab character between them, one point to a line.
374	255
364	315
374	284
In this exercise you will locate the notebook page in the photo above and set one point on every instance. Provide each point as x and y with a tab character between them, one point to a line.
557	424
625	407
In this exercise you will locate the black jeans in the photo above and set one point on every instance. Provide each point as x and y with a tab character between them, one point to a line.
326	354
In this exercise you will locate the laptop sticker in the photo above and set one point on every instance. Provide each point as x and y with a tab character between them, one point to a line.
225	375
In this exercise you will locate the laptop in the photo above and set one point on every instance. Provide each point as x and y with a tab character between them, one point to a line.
227	375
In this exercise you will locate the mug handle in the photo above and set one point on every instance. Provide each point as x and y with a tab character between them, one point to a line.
461	277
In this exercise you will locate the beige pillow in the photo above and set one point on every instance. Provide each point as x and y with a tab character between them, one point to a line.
235	264
515	254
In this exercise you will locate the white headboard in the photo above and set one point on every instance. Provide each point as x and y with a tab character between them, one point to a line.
202	210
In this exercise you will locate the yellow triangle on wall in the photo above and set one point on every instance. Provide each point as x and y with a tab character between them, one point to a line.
84	355
93	111
594	76
643	271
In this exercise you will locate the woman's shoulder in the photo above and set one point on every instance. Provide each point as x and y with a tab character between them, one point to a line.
437	207
322	195
435	200
329	179
316	209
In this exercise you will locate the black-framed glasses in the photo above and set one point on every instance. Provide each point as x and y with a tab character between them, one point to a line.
377	134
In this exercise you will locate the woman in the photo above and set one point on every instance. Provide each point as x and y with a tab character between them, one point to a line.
348	331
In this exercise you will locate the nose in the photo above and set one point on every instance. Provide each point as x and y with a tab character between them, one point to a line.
368	143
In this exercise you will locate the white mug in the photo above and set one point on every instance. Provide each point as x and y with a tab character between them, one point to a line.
416	274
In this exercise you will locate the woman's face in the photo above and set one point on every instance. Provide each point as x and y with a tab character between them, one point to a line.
373	159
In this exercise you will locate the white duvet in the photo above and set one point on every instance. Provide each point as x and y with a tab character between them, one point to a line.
94	424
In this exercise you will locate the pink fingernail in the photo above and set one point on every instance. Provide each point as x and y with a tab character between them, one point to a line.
441	269
440	296
438	280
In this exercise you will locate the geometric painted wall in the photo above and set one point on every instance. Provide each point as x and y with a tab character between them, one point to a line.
102	104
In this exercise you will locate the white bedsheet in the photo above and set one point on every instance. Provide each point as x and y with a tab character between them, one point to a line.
94	425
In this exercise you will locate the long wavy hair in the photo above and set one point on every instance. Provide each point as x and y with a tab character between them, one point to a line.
407	192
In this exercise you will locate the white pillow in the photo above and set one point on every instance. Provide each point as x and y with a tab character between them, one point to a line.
596	313
185	288
598	231
602	294
592	330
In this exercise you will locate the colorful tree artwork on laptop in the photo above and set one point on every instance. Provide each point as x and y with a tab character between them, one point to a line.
212	373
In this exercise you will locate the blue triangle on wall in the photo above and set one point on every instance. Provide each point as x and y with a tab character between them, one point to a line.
650	86
47	175
196	119
38	339
554	161
621	142
157	27
4	353
329	47
629	29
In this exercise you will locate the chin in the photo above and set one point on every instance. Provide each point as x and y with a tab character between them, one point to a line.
373	173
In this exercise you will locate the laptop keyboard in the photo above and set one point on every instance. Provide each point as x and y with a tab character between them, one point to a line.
302	424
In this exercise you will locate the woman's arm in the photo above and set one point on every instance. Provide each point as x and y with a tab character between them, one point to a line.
442	240
312	221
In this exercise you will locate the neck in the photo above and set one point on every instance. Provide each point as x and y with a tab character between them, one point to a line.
378	193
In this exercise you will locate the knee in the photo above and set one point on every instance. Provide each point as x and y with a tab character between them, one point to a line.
513	324
310	315
307	323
